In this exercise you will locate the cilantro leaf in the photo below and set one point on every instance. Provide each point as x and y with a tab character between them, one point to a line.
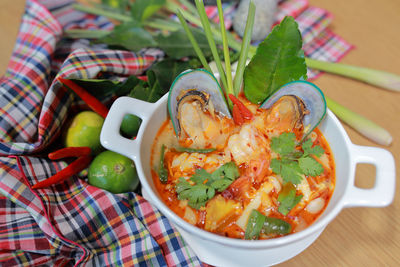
221	184
284	144
227	171
206	184
200	176
288	169
288	199
201	193
318	151
183	188
291	172
292	163
310	166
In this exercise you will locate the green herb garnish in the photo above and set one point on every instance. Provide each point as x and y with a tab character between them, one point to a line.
202	186
288	199
259	223
279	59
254	225
162	171
292	163
195	150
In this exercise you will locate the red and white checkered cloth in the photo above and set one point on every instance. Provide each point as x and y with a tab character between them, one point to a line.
74	223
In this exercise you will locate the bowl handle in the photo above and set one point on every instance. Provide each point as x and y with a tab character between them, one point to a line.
110	136
382	193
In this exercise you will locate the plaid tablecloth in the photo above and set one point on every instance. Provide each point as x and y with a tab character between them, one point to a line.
74	223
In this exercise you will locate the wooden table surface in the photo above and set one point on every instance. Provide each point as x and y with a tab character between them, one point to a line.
358	236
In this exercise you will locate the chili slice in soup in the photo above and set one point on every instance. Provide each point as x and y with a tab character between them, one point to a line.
253	181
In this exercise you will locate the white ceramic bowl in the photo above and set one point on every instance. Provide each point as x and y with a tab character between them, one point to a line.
223	251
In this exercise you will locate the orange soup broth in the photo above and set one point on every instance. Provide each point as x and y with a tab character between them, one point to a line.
321	186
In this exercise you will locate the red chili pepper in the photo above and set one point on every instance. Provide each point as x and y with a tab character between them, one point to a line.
70	152
143	78
90	100
237	115
243	109
76	166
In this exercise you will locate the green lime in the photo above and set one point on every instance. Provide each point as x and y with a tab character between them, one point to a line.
85	130
130	125
113	172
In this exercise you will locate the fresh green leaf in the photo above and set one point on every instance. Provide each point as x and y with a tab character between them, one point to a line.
177	45
148	91
310	166
143	9
288	169
254	225
279	59
183	188
197	195
292	163
201	193
129	35
284	144
103	88
227	171
276	226
166	71
308	149
194	150
288	199
221	184
162	171
205	184
200	176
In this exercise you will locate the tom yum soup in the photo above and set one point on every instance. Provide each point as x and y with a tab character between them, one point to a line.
263	172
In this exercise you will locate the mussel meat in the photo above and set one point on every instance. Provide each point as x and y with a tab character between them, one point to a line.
295	105
196	104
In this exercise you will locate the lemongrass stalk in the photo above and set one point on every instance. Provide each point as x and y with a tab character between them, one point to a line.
102	12
161	24
244	50
361	124
190	7
195	45
210	39
382	79
88	34
227	58
192	18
